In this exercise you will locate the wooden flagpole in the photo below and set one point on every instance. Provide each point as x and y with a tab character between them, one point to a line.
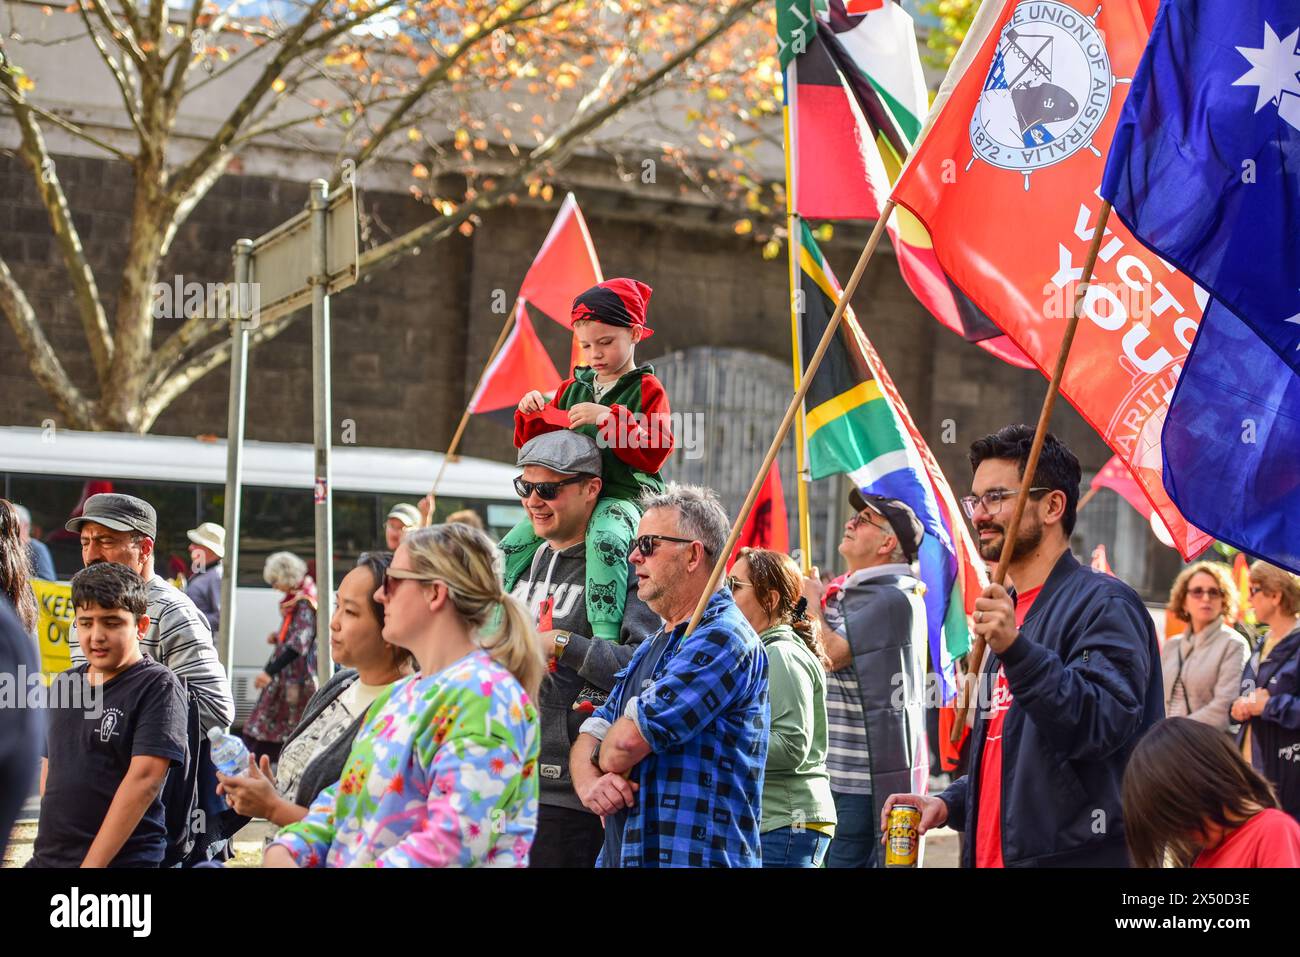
450	454
795	404
976	655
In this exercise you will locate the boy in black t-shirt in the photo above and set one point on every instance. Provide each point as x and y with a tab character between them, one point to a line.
116	725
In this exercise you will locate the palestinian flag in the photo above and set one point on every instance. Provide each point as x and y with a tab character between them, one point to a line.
858	425
856	101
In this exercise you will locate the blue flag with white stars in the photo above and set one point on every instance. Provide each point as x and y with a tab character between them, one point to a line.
1205	170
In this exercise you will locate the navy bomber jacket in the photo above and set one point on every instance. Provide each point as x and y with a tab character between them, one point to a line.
1086	682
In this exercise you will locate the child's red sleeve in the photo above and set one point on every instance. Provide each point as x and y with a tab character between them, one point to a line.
531	426
643	440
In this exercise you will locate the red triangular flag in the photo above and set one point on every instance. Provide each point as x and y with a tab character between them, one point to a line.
767	526
566	266
521	366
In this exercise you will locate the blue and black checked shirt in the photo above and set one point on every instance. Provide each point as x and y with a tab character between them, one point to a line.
704	713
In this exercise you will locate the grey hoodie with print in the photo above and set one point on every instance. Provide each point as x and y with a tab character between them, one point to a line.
588	666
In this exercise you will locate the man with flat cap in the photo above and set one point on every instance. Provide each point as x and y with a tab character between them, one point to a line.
559	486
874	626
122	528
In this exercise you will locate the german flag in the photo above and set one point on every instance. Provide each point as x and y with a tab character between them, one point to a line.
856	99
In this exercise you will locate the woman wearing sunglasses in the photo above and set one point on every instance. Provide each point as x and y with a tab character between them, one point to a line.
798	810
444	773
314	754
1269	706
1202	667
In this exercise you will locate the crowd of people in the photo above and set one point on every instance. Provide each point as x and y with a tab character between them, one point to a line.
542	701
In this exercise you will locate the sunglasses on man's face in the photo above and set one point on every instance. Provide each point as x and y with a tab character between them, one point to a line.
646	544
546	491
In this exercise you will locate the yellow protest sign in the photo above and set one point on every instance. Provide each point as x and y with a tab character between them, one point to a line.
54	624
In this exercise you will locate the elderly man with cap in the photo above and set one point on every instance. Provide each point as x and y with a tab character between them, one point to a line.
207	549
873	623
560	484
401	517
122	528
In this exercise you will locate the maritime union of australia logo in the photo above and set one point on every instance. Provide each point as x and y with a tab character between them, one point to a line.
1047	91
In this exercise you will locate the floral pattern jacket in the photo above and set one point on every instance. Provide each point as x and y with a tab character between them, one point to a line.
444	774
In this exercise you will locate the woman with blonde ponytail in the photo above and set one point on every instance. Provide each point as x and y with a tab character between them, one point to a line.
444	774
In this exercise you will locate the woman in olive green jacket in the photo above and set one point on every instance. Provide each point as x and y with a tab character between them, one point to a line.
798	811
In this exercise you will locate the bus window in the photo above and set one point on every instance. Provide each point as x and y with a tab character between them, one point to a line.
284	520
356	517
52	500
274	520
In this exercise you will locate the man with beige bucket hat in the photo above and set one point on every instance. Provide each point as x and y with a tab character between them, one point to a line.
207	549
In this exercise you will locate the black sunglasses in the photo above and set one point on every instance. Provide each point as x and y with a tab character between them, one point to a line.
546	491
646	544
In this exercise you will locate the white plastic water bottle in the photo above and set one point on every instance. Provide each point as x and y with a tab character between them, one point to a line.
228	753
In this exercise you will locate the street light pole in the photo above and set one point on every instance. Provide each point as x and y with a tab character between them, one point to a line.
241	301
321	418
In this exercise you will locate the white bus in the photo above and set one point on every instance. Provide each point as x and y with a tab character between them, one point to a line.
53	472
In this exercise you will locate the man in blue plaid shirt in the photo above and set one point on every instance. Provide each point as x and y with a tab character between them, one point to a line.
673	761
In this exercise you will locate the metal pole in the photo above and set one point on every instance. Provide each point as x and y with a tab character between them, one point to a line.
243	252
321	419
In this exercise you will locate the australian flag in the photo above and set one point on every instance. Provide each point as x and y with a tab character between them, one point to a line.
1205	170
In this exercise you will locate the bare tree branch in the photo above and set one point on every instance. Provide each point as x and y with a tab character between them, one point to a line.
551	150
396	119
237	60
260	130
220	141
154	26
75	130
176	85
45	364
131	14
84	289
129	99
173	386
123	38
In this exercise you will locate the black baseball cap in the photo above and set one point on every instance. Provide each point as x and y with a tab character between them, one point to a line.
906	526
122	513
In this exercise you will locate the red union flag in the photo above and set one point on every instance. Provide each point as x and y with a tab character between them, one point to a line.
767	526
1005	177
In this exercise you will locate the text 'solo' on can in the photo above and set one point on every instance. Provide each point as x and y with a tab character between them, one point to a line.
903	841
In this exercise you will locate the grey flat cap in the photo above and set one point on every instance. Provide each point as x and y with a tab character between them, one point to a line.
122	513
563	451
